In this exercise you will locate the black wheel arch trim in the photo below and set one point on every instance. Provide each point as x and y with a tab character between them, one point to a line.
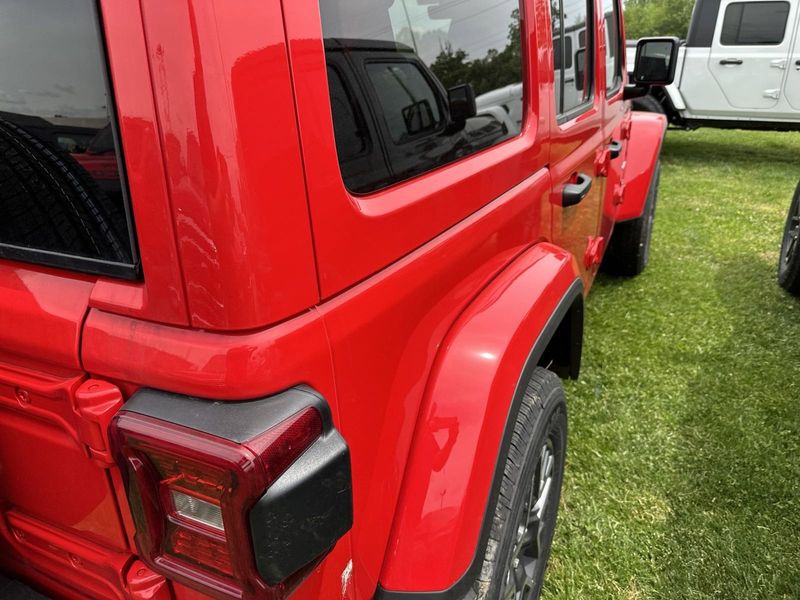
462	588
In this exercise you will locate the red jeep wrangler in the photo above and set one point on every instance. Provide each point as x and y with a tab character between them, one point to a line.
286	288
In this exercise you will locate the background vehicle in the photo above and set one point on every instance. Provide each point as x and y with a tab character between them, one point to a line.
739	67
293	321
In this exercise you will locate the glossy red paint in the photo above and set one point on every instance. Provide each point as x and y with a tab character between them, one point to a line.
41	312
616	114
576	145
59	510
644	148
209	364
402	217
462	419
406	311
160	295
231	157
411	310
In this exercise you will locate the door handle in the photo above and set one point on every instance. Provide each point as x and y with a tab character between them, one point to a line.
731	61
797	65
575	192
615	148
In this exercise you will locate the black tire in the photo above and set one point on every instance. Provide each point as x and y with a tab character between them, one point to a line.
539	441
789	259
628	251
647	104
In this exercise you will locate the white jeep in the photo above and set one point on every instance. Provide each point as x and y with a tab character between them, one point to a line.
738	68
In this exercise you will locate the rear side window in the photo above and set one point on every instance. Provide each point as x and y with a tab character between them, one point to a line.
62	192
754	24
406	63
573	56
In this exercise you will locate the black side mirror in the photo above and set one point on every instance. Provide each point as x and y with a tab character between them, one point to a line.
461	99
656	60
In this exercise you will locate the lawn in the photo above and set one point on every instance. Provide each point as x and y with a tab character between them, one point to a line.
683	474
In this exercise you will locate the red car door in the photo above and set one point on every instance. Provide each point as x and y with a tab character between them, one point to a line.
362	226
577	138
615	112
399	171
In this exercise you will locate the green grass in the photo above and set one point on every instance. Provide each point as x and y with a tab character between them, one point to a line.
683	474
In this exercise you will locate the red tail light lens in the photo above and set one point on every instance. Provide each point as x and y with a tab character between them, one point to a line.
191	493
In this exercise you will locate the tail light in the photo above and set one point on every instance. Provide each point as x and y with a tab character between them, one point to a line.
198	476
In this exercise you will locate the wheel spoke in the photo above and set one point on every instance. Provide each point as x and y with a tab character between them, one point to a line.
530	530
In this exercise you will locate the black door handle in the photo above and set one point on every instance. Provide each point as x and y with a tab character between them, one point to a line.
615	148
575	192
731	61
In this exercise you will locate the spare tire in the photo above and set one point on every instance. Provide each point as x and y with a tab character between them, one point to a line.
49	202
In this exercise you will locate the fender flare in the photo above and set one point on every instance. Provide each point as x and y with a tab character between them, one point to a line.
674	94
464	427
644	147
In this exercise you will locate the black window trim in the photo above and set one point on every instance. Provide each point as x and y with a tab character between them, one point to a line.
587	105
387	145
724	14
72	262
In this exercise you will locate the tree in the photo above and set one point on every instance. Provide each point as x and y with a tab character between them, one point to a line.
657	17
498	68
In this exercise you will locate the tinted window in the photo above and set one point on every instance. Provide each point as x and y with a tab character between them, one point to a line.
754	23
574	76
61	193
402	57
613	45
407	101
566	49
351	138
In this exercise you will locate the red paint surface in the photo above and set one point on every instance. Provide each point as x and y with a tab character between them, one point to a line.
411	310
644	148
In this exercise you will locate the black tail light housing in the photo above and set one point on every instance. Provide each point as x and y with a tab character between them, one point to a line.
235	499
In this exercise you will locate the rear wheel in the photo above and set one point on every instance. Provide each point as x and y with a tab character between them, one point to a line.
789	261
647	104
525	510
629	250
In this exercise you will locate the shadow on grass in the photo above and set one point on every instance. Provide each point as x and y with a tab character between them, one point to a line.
734	530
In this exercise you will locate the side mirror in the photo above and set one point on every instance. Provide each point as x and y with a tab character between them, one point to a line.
656	60
461	99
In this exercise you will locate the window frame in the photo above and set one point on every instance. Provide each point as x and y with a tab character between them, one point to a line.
621	50
383	136
744	3
586	105
82	264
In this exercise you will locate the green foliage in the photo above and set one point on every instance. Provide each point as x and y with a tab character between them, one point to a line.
683	477
657	17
